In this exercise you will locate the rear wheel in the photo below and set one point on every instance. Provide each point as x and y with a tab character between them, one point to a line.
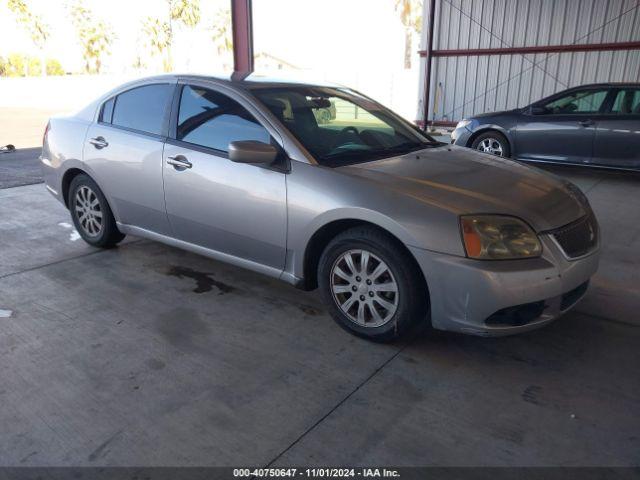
492	142
370	285
91	214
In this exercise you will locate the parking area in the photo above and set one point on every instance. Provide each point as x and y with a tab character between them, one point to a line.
149	355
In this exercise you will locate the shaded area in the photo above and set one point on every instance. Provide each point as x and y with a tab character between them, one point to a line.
20	167
110	358
204	281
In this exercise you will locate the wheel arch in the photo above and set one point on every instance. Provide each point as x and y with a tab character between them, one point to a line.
73	172
490	128
67	178
323	235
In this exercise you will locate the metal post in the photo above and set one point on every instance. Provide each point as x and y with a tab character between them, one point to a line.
428	60
241	14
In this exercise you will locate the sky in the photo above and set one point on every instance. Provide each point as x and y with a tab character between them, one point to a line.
310	34
359	43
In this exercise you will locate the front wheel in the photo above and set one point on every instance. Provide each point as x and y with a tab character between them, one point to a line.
91	214
371	286
492	142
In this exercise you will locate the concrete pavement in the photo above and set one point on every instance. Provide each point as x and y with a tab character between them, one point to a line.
148	355
20	167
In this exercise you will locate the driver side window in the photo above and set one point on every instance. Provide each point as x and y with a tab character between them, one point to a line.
211	119
577	102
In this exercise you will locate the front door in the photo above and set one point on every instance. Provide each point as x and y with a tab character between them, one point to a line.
617	142
561	129
232	208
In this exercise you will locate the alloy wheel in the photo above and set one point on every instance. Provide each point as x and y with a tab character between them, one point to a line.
490	145
88	211
364	288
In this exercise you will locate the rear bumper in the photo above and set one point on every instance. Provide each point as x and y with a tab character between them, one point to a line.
494	298
51	176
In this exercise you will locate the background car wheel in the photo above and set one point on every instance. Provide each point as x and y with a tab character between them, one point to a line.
91	214
371	286
492	142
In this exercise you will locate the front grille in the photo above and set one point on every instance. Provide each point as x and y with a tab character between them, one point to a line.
577	238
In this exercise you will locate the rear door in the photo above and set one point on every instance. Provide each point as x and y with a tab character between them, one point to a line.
562	128
617	141
124	151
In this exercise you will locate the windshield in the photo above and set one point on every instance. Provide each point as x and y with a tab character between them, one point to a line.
339	126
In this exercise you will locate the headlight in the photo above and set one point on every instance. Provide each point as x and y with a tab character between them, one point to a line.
463	123
496	237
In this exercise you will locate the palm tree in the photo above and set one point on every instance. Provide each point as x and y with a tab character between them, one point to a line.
159	32
158	39
186	12
95	36
410	12
222	35
37	29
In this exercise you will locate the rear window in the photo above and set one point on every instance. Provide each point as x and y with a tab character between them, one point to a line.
107	111
627	102
142	108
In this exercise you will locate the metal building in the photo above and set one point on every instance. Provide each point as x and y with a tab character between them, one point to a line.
492	55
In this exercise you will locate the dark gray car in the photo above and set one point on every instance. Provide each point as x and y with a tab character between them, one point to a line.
595	125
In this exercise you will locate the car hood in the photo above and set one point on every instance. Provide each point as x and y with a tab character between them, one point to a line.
464	181
493	114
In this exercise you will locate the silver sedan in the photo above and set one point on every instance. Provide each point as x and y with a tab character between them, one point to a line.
394	227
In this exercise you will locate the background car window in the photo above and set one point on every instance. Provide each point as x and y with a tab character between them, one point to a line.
211	119
340	113
627	102
581	101
143	108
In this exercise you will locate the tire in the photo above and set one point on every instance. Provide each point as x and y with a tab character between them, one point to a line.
396	312
91	214
491	142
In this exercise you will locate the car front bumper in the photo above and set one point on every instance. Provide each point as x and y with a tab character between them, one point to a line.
494	298
460	136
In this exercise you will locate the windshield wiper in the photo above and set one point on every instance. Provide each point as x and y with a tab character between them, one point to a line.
406	147
358	155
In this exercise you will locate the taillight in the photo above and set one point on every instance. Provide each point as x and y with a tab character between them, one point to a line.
46	131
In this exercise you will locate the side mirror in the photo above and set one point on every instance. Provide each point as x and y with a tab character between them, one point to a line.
538	110
251	151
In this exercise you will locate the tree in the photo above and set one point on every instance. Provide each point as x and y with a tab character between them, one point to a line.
95	36
158	39
54	67
37	29
15	66
410	12
186	12
159	32
222	35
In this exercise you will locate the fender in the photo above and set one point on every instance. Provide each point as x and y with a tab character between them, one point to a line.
295	264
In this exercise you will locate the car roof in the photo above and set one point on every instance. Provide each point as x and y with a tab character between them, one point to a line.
607	85
252	81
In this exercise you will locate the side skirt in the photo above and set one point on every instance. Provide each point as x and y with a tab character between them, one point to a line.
206	252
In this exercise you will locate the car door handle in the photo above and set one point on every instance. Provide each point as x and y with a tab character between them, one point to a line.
586	123
179	161
99	142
